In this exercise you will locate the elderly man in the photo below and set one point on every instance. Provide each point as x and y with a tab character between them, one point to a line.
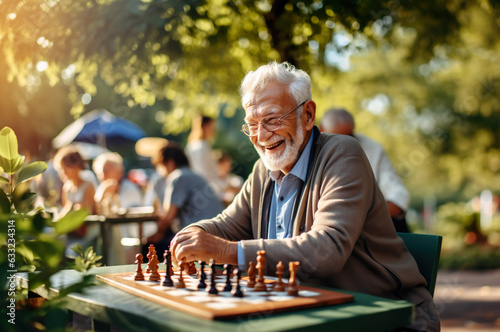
311	197
340	121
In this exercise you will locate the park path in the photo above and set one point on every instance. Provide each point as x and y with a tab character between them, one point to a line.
468	300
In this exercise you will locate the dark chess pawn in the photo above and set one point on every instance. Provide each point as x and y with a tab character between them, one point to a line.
227	286
202	276
237	290
213	290
168	268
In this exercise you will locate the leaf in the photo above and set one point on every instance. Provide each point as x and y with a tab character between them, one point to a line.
4	180
31	170
71	221
23	201
77	248
8	144
50	252
38	222
13	165
4	203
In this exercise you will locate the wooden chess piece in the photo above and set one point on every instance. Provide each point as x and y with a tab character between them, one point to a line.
202	276
138	273
151	251
153	265
168	268
191	268
182	266
280	269
237	290
213	290
251	275
292	288
260	286
227	271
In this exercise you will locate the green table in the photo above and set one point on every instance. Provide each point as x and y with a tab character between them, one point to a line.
107	305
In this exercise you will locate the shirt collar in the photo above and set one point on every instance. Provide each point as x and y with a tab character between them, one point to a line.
300	168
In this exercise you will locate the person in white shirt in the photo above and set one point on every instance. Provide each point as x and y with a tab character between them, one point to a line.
200	154
340	121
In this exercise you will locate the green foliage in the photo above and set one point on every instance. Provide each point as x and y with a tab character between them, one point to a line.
86	259
471	258
465	244
433	65
29	242
70	222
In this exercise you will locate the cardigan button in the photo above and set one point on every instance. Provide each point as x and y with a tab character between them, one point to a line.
302	227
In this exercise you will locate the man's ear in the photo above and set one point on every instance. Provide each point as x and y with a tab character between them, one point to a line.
309	114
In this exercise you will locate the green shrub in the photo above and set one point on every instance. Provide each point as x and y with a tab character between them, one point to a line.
27	246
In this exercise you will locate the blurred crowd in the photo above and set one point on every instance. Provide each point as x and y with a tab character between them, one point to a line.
182	186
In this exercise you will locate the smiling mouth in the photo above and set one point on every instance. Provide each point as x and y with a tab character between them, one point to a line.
275	145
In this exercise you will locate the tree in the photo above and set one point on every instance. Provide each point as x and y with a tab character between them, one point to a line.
427	67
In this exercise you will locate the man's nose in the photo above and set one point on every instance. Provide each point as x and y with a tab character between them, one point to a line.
263	134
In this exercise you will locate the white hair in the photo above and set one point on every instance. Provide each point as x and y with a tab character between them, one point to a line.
107	158
256	81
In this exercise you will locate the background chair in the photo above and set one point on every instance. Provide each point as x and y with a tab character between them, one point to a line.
426	249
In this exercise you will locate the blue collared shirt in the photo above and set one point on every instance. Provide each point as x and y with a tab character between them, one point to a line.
283	199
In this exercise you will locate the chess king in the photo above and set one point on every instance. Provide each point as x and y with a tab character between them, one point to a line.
312	198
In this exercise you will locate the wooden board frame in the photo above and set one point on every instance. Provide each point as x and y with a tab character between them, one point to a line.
325	298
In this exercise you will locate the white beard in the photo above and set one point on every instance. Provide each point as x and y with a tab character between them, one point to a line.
274	161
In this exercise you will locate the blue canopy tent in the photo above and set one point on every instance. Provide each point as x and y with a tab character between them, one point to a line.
99	127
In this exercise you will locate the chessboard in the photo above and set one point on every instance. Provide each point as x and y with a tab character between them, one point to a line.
224	304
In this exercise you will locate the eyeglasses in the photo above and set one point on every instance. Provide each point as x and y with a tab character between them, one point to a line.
271	124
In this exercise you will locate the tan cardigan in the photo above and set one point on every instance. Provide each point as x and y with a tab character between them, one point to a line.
343	235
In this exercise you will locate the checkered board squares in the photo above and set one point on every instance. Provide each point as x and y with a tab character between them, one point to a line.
223	305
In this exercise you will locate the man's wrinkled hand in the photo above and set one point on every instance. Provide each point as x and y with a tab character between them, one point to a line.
194	244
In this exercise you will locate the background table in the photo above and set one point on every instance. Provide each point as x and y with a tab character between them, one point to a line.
107	305
107	221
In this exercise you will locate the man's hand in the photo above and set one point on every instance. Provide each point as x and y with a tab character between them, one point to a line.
394	210
195	244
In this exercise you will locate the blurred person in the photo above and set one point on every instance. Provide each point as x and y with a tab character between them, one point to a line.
116	193
340	121
200	153
154	192
230	183
188	197
77	193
